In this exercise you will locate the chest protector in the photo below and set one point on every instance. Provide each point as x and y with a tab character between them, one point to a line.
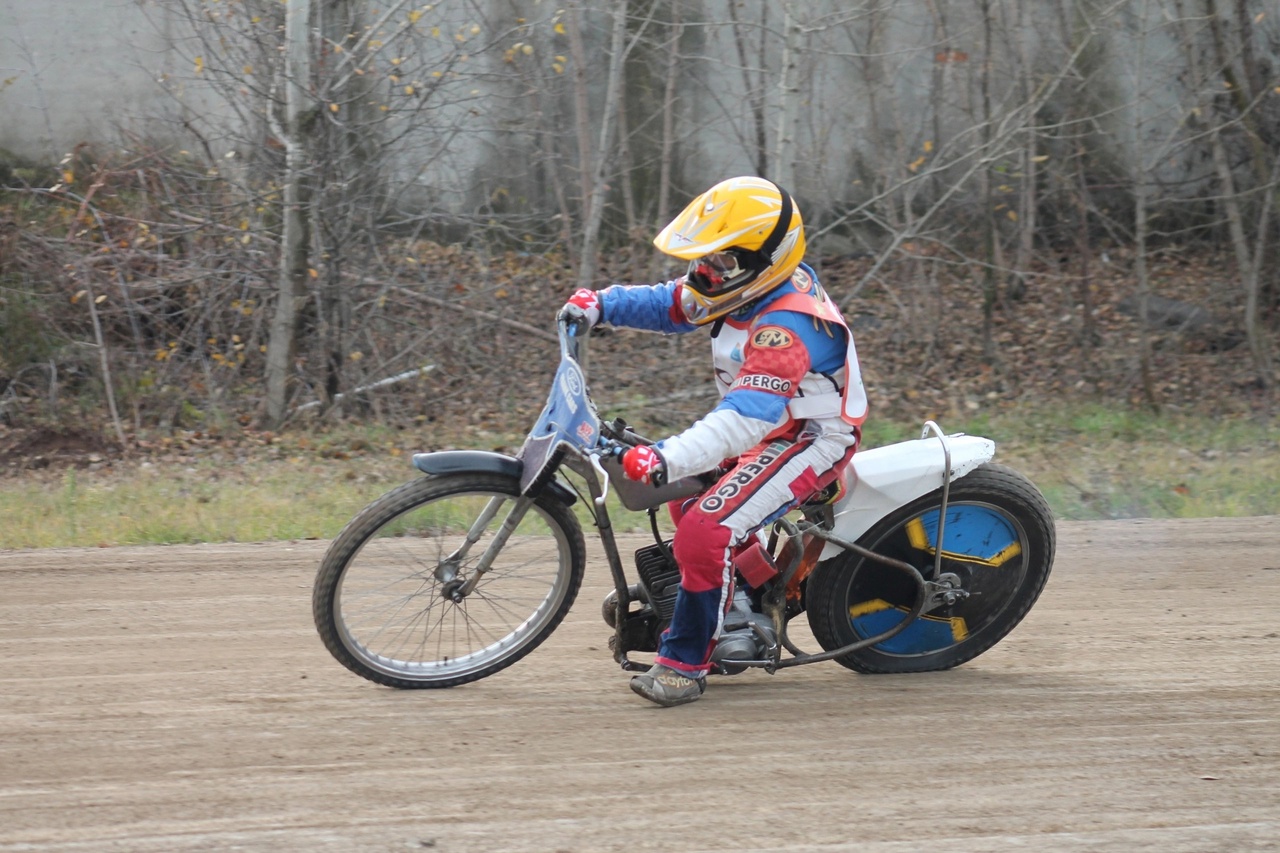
820	395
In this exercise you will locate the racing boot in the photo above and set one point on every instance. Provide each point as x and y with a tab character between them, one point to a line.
667	687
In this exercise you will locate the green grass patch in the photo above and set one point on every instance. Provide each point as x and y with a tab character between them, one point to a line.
1097	463
1090	464
268	500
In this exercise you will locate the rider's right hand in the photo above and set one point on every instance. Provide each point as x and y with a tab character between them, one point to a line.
643	464
584	306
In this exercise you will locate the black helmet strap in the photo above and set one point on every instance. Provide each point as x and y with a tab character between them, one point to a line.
774	240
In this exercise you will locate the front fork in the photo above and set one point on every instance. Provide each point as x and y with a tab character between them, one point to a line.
454	585
597	487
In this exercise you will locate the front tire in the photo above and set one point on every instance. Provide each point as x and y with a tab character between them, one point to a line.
999	540
384	596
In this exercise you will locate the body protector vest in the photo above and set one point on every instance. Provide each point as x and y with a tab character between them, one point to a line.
820	396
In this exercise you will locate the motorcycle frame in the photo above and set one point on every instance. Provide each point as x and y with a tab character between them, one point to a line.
816	524
559	452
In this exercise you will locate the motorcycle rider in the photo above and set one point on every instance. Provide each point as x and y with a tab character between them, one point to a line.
792	399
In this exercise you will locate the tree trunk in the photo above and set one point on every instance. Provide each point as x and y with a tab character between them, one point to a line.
582	121
668	131
1141	228
789	95
295	240
594	211
755	94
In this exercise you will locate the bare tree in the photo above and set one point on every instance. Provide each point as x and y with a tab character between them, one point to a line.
295	238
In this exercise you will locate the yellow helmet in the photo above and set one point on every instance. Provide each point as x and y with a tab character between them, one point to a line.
742	238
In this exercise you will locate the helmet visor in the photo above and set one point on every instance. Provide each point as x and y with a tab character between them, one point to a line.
715	273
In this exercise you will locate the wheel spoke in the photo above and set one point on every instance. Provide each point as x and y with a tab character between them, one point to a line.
392	604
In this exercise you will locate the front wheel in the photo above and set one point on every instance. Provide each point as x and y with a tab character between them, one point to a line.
998	544
397	599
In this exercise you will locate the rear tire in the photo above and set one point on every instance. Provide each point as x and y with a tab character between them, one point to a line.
999	539
382	602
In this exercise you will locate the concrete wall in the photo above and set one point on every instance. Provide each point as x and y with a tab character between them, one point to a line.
78	71
875	94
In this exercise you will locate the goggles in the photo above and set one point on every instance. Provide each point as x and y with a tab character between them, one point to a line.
709	273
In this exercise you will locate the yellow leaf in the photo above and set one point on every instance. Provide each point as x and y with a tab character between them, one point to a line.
79	296
333	108
1013	215
435	32
235	339
246	239
559	28
408	90
356	356
199	64
557	67
313	272
68	176
101	299
916	164
928	146
1257	19
248	69
414	16
1040	159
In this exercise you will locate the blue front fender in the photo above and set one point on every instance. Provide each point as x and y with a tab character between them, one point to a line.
446	462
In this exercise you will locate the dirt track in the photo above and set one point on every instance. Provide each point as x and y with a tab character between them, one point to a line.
177	698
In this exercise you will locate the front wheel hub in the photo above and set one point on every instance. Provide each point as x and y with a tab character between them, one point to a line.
453	590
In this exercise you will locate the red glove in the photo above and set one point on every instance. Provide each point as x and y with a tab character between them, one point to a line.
642	464
583	305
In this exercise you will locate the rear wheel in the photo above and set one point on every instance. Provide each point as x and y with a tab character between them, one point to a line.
391	601
998	542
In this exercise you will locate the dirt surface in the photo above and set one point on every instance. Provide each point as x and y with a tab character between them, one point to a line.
173	699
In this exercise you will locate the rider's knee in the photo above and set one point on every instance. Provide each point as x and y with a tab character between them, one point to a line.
700	546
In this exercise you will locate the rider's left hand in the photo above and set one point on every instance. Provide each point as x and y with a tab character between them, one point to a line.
584	306
644	465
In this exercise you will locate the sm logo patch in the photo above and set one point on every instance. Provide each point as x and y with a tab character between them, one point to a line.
772	337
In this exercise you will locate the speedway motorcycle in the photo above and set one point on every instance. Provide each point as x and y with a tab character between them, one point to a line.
923	556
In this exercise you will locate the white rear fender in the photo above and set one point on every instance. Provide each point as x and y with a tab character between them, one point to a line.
885	478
